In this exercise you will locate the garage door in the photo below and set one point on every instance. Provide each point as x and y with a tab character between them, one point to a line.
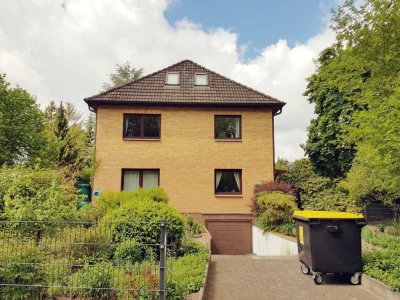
230	237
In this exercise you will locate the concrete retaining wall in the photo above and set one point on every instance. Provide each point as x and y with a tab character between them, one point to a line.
272	244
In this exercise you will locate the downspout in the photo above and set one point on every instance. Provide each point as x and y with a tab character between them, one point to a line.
278	112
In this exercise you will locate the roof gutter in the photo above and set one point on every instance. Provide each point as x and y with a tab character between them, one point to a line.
278	112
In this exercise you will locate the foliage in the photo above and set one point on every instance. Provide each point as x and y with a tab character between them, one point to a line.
130	252
281	164
384	264
94	280
140	219
42	195
24	266
89	213
275	209
110	200
21	125
188	275
142	284
313	191
270	186
330	155
124	73
194	227
190	246
364	67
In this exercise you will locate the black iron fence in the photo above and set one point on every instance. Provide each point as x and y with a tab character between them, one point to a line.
83	260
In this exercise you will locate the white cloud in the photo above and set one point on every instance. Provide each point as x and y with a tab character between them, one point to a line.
63	50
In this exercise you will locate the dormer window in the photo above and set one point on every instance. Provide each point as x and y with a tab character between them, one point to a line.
172	78
200	79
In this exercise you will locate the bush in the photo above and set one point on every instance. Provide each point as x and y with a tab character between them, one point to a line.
194	227
130	252
95	281
140	220
190	246
113	200
36	195
188	275
275	209
270	186
24	266
90	213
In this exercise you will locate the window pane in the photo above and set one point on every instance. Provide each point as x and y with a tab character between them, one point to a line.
227	127
201	79
172	78
152	126
150	179
132	126
227	181
131	180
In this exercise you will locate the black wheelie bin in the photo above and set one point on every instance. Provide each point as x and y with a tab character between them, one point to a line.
329	242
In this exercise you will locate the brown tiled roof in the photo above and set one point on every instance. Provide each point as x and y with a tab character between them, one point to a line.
152	90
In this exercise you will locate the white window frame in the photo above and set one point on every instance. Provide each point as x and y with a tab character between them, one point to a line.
200	74
172	73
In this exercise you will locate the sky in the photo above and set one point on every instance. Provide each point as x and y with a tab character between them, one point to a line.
63	50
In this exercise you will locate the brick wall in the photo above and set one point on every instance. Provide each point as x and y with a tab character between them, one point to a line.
187	154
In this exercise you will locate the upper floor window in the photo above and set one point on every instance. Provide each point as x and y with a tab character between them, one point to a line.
200	79
227	127
228	182
142	126
172	78
133	179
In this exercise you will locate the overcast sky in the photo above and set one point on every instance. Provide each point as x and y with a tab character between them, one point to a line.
63	50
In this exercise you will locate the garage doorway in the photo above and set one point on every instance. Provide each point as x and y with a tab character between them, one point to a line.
230	237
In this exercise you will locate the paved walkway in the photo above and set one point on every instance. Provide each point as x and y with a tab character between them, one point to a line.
273	278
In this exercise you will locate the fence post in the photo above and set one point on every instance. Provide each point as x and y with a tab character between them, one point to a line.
163	258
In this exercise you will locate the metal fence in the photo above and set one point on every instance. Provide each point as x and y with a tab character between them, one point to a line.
83	260
379	212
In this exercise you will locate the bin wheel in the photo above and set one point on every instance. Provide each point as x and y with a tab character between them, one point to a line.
304	269
355	279
318	278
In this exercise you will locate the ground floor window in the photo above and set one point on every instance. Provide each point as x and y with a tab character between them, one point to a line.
133	179
228	181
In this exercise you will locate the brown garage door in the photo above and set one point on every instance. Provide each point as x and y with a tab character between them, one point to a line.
230	237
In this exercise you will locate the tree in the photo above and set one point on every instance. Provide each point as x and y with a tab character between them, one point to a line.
21	125
124	73
328	89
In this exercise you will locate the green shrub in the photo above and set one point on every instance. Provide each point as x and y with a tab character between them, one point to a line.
95	281
90	213
194	227
287	229
36	195
130	251
81	244
190	246
112	200
24	266
384	265
275	209
140	220
188	275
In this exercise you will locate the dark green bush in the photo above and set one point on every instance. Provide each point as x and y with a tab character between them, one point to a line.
95	281
24	266
188	275
113	200
140	220
130	252
275	209
190	246
194	227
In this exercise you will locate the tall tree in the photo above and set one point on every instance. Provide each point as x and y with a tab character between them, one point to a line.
21	125
328	89
124	73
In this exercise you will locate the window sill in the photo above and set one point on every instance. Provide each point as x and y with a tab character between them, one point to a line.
228	140
140	139
228	196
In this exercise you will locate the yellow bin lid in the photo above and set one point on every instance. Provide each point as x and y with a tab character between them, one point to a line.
314	214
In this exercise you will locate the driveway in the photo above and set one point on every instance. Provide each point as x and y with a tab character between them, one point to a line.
256	277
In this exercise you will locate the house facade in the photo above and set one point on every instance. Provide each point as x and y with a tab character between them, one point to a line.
204	138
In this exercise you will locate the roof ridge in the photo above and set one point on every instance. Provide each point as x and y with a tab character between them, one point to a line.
236	82
139	79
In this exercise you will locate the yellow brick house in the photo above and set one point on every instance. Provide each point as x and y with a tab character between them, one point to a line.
204	138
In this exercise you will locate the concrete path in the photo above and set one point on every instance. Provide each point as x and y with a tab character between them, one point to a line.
257	278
